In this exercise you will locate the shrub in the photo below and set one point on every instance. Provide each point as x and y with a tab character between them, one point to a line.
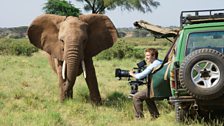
120	50
16	47
138	53
140	33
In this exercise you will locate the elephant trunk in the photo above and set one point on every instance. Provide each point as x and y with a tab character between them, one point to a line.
73	60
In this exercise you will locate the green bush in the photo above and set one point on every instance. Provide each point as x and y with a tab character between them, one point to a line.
16	47
138	53
120	50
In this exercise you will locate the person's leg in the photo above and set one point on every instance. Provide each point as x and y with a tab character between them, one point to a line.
152	108
138	99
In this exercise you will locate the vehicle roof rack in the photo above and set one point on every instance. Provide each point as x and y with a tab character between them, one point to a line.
201	16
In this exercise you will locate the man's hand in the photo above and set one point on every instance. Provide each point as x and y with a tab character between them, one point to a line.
131	72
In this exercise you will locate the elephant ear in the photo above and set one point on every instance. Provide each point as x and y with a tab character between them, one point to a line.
102	34
43	33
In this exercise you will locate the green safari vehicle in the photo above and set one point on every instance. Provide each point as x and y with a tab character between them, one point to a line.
193	76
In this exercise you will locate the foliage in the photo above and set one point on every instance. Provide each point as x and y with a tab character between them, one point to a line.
140	33
140	5
121	34
133	32
14	32
134	48
99	6
120	50
16	47
61	7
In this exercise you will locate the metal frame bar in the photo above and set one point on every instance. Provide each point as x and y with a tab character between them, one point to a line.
198	17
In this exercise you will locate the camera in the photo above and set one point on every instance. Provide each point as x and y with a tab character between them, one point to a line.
119	73
125	73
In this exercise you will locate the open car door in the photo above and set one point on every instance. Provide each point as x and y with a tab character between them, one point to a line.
159	83
157	31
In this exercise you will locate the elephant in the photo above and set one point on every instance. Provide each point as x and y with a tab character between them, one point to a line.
71	43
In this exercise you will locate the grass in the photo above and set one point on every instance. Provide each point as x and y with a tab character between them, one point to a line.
29	96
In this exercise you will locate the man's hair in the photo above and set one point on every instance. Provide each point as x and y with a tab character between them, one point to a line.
153	52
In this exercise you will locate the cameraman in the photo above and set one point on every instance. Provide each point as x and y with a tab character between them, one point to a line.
151	55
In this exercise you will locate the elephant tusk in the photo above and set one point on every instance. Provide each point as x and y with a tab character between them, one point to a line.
84	69
63	70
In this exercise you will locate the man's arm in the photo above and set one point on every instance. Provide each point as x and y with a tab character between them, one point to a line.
148	69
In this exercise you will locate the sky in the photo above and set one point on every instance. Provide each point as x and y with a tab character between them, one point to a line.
15	13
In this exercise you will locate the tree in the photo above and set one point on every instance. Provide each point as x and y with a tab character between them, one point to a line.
99	6
61	7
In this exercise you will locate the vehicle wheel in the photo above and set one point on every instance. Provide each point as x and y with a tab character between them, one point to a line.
202	74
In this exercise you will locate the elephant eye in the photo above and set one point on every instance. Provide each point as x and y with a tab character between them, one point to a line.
62	41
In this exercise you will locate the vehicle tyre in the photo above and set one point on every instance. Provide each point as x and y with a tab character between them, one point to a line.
202	74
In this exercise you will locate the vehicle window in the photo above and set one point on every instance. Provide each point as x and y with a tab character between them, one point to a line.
211	39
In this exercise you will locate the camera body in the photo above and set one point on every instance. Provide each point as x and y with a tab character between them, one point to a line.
119	73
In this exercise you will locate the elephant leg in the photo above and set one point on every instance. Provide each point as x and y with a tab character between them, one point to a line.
65	91
91	81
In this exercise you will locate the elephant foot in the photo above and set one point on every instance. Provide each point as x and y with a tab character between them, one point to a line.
96	101
66	95
66	91
69	94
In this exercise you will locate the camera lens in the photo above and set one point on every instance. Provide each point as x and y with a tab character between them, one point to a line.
117	72
121	73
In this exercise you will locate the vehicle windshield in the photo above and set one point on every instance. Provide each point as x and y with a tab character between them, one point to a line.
211	39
